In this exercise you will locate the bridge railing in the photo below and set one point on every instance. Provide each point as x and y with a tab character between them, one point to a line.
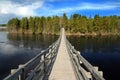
83	69
37	68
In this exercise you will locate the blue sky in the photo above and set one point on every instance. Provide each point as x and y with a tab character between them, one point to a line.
25	8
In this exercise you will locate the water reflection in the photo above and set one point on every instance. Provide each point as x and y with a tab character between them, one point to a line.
17	49
3	37
102	51
31	41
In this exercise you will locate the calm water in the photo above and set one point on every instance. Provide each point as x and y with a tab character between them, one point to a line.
17	49
100	51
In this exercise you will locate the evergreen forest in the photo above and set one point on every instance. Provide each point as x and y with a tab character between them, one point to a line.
75	24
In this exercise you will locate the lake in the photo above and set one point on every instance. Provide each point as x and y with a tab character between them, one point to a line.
102	51
99	51
18	49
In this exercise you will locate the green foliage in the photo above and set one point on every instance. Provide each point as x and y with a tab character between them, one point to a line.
31	24
76	23
40	28
13	24
65	21
24	24
36	23
43	24
2	24
90	25
83	24
56	24
97	23
49	24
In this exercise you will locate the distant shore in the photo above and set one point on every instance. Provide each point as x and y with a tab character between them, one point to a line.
92	34
3	28
67	33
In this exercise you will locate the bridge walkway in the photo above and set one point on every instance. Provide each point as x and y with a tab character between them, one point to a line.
63	68
60	61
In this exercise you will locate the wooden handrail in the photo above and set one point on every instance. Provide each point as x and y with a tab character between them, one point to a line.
94	74
38	63
40	66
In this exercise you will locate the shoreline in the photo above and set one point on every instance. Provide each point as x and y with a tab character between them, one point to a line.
68	34
92	34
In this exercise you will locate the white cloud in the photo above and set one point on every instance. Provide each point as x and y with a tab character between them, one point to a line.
84	6
102	6
9	7
56	0
20	8
80	7
8	49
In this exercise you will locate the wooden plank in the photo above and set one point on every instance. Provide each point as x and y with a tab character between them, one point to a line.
62	68
91	69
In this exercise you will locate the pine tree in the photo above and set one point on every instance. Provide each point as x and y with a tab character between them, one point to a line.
65	21
90	25
24	24
32	25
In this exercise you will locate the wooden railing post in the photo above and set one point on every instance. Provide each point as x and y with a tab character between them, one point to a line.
13	71
22	76
100	72
44	63
92	73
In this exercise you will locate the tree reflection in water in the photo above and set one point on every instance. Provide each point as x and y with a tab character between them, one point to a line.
18	49
103	51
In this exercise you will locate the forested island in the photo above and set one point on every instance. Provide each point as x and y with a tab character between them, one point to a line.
3	25
76	24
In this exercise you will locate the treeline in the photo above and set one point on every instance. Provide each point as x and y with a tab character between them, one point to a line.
48	25
75	24
3	25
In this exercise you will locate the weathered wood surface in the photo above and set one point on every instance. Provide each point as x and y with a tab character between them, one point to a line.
88	71
37	67
58	62
62	68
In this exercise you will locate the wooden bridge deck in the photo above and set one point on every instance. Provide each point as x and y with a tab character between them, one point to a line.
68	64
63	68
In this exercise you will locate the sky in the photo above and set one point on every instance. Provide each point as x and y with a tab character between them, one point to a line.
25	8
